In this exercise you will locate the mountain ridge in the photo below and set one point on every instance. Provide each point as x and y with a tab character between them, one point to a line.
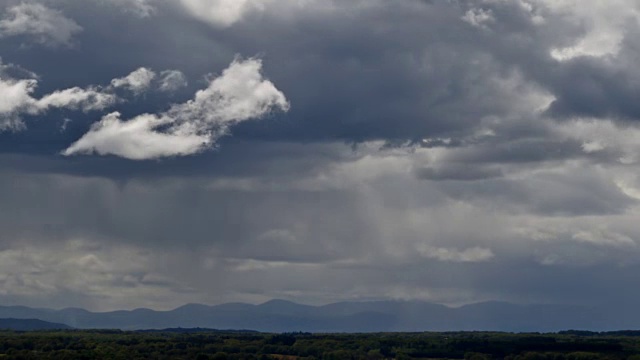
30	325
350	316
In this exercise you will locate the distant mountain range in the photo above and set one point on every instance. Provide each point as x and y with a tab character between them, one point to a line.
373	316
30	325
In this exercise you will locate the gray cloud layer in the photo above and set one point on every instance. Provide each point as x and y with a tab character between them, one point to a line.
451	151
46	26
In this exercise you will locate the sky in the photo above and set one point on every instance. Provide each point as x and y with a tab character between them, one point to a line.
161	152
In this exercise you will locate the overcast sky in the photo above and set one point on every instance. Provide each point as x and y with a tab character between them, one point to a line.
160	152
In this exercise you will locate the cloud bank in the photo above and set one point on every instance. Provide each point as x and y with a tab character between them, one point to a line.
450	151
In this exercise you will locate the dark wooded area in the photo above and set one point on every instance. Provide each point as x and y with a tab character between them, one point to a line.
209	344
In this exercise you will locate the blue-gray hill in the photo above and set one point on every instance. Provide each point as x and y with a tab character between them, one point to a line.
30	325
372	316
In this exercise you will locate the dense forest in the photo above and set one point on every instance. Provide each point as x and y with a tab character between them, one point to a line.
204	344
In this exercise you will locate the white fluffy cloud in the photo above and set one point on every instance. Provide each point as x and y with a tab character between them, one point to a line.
16	99
137	81
142	79
45	25
76	99
172	80
239	94
225	100
16	96
138	138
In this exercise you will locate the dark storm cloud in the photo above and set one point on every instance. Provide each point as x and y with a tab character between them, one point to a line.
417	160
365	79
589	87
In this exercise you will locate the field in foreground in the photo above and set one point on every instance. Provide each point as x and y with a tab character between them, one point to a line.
203	344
